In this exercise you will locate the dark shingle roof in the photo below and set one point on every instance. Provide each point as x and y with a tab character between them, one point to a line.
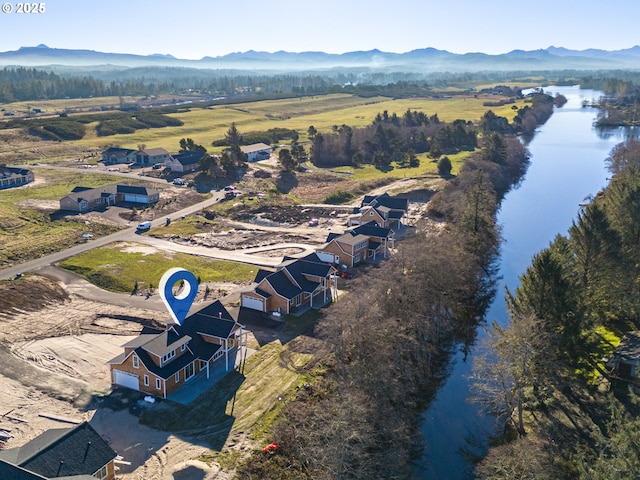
188	158
371	229
262	274
62	452
170	368
386	200
13	472
283	286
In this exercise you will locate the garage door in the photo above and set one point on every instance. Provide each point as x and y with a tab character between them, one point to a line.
253	303
126	380
130	197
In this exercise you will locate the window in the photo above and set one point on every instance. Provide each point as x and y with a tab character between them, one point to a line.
146	380
136	363
102	473
177	377
168	356
158	384
183	347
188	371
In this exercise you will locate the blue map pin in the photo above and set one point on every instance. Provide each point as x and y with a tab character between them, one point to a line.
178	305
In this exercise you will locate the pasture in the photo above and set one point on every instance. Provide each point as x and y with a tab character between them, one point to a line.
204	125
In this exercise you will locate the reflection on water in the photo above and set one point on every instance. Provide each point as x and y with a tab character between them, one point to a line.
567	166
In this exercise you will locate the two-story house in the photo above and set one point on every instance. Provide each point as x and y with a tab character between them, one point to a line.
386	211
159	363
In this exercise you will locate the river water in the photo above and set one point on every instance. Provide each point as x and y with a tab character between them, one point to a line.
567	166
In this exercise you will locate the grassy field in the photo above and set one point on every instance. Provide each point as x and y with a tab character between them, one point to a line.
28	231
207	125
118	267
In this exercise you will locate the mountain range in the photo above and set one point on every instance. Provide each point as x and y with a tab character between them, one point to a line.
420	60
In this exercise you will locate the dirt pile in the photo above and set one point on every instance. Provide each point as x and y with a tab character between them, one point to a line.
30	293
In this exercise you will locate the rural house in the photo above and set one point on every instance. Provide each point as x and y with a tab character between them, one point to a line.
84	199
295	284
77	452
14	177
115	155
256	151
160	362
386	211
152	156
185	162
624	362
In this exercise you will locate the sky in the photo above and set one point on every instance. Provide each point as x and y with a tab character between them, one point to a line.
192	29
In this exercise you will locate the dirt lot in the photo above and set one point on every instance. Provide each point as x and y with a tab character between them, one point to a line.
53	352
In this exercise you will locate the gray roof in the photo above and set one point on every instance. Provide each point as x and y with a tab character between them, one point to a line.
256	147
629	346
349	239
153	152
62	452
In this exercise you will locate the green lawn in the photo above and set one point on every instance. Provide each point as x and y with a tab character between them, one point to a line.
117	267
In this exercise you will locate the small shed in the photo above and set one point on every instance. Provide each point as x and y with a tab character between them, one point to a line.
625	360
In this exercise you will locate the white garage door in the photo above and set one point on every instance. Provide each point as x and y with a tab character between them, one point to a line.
253	303
131	197
126	380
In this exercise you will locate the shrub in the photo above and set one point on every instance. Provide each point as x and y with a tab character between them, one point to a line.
66	130
339	196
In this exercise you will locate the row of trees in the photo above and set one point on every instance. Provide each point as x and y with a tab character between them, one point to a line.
390	139
582	283
383	346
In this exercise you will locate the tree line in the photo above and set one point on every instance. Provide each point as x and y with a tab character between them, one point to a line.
381	350
541	369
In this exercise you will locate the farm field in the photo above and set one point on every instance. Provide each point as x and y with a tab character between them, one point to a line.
323	112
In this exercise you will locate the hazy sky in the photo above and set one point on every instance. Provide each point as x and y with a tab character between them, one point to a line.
195	28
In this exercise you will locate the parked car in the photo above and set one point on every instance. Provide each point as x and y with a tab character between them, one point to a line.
144	226
178	181
313	222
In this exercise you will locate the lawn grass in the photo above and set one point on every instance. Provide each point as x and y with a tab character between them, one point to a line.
428	166
118	267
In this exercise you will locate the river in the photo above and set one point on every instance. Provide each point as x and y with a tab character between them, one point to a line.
567	166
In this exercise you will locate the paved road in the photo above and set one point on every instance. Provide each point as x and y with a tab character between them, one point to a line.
129	235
